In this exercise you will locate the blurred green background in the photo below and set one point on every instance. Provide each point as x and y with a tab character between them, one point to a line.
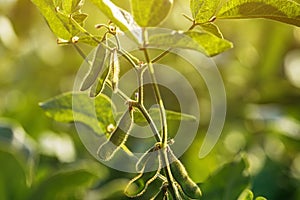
44	159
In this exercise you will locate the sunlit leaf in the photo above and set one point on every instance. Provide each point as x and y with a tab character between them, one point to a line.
69	107
80	18
71	6
120	17
117	138
47	8
212	28
204	42
227	184
150	12
287	11
203	10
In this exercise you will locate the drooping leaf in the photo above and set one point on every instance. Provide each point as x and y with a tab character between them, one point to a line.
120	17
204	42
227	184
97	65
68	184
47	8
287	11
203	10
16	141
69	107
12	174
188	186
150	12
117	138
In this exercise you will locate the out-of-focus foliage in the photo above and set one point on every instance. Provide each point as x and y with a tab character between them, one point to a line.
261	76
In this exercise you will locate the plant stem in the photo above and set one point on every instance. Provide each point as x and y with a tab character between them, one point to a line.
156	92
164	139
150	121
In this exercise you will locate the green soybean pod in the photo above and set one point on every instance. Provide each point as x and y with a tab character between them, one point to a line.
99	85
115	70
118	137
97	65
151	154
189	187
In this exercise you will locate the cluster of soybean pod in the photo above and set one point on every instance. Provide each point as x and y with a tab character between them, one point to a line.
169	174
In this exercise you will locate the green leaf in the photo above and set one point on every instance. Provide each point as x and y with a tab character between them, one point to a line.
287	11
117	138
12	174
70	184
47	8
212	28
203	10
69	107
150	12
15	140
80	18
204	42
120	17
227	184
246	195
71	6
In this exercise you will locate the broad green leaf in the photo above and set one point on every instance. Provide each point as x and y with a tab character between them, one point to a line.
69	184
14	139
120	17
287	11
150	12
47	8
203	10
246	195
117	138
204	42
12	174
227	184
80	18
79	107
188	186
212	28
98	63
71	6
